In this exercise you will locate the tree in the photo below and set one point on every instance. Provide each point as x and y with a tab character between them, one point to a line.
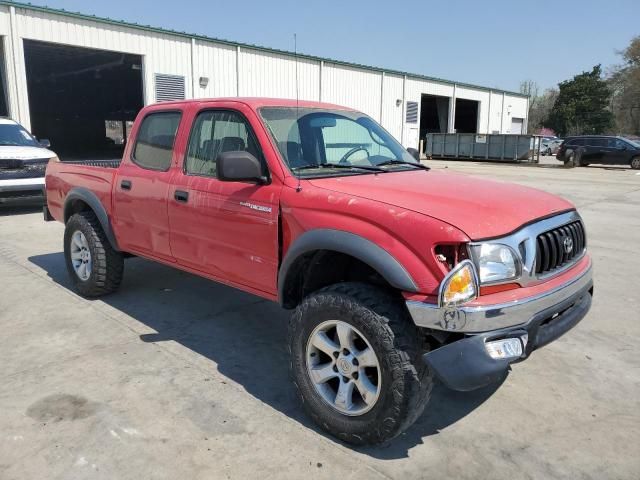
540	109
582	105
539	105
625	83
530	89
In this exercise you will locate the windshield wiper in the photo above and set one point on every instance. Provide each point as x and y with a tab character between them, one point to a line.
339	165
402	162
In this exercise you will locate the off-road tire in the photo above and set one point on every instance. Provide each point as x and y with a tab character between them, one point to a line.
107	263
383	319
635	163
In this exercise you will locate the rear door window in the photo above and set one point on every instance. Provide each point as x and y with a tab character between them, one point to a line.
617	143
154	145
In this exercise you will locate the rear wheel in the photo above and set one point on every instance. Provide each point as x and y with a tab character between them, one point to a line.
94	266
356	362
570	159
579	160
635	163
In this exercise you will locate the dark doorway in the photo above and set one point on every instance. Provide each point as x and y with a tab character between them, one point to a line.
466	118
434	115
83	100
4	110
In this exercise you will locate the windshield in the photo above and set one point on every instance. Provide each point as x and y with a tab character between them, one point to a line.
14	135
333	142
634	142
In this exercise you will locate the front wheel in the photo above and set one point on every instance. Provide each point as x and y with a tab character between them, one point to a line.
635	163
94	266
356	362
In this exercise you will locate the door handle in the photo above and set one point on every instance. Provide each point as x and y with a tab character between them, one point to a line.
181	196
125	184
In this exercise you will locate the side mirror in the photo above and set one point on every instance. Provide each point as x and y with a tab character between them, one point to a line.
45	142
239	166
414	153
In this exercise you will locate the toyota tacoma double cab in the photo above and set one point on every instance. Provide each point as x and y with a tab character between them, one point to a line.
396	274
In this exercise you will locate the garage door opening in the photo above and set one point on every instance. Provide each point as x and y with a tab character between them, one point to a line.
466	117
4	110
434	114
517	126
83	100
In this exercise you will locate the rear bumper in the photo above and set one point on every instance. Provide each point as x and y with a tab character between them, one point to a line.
465	364
22	190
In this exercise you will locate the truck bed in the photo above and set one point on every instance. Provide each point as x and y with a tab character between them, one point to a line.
94	175
115	163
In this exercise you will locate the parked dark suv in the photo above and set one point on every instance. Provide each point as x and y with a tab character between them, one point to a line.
583	151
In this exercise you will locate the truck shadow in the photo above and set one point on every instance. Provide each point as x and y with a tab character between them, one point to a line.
10	210
246	337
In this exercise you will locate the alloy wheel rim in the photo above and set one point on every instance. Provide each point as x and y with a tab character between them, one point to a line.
343	368
80	255
635	163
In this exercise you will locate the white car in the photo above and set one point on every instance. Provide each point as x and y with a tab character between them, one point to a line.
23	160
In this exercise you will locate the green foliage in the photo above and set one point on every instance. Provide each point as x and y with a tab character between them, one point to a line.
582	105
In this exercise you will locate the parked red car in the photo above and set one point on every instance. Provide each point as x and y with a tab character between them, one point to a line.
395	273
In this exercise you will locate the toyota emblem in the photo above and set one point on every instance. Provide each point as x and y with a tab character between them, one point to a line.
568	244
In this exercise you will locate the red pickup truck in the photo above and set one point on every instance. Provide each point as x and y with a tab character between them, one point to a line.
395	273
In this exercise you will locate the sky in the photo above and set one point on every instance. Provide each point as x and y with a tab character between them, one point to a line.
492	43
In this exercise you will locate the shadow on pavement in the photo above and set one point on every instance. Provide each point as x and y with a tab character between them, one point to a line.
247	338
9	210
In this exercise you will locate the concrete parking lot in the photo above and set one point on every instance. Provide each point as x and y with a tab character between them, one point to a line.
178	377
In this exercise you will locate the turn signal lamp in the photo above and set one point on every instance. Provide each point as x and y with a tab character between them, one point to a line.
460	285
505	348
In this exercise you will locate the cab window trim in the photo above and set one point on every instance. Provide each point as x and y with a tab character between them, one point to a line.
173	145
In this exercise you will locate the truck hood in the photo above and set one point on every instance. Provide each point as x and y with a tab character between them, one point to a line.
24	153
480	208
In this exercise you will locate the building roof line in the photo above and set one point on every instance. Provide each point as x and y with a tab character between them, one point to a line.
205	38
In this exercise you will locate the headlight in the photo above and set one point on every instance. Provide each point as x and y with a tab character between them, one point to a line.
495	262
460	285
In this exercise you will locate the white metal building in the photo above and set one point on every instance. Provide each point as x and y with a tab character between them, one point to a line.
63	70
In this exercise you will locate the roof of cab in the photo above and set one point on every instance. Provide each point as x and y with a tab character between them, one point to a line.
258	102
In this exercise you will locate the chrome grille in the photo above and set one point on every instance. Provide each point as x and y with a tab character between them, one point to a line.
558	247
15	168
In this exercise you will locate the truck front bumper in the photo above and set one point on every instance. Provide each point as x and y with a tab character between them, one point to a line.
466	364
21	190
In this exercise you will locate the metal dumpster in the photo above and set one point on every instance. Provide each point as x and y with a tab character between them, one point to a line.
471	146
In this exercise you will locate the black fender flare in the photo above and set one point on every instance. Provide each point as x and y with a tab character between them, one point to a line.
91	199
350	244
